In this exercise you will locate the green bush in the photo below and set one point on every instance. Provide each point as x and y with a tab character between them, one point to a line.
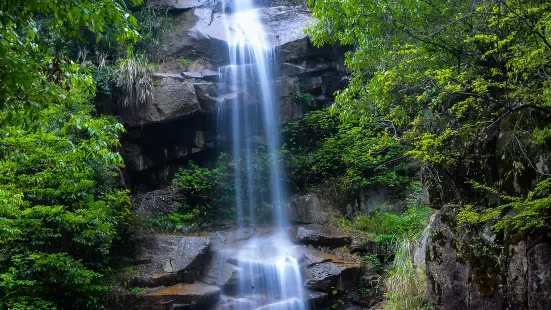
388	227
184	60
210	193
324	150
302	97
61	210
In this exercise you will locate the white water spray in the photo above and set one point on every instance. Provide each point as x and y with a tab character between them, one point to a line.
268	272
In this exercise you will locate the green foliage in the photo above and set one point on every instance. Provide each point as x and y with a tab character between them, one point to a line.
153	22
406	284
210	193
33	75
462	85
388	227
372	261
104	78
60	208
515	214
184	60
302	97
322	148
137	290
61	211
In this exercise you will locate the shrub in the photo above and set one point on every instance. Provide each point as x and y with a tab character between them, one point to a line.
184	60
209	193
324	150
302	97
61	210
389	227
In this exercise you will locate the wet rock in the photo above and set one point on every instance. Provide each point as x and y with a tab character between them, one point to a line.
196	295
230	274
454	283
196	33
305	69
311	209
321	236
312	85
189	254
288	86
206	94
201	33
316	300
238	303
173	258
289	111
329	275
325	271
207	75
172	99
420	246
135	159
212	268
183	4
517	268
156	279
539	276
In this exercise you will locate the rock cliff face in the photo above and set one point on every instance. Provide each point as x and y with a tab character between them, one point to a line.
181	122
480	270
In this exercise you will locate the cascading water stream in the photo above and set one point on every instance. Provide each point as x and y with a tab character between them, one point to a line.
268	274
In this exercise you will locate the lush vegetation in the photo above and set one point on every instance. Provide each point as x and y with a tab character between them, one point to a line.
457	93
462	86
390	234
406	284
61	209
322	149
208	195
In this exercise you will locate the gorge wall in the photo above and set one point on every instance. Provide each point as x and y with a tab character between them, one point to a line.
180	124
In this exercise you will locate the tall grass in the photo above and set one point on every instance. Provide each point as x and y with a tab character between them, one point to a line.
133	75
406	284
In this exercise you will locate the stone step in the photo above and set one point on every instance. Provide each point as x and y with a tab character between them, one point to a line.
180	296
311	299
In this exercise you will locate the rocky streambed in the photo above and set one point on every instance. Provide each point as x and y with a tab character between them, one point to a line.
201	271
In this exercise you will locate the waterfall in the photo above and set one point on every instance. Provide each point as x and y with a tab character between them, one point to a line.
268	274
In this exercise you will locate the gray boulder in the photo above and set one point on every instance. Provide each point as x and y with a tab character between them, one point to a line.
134	158
183	4
289	111
460	276
327	276
201	33
420	246
321	236
171	258
311	209
539	276
179	296
325	272
454	283
172	99
305	69
207	95
196	33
